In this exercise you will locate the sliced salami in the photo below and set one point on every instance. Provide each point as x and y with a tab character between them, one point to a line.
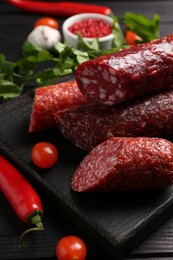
88	125
129	73
126	164
51	99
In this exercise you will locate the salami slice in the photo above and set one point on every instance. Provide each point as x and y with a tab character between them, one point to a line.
51	99
88	125
127	74
126	164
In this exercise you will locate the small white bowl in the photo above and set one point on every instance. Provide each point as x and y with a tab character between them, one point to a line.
71	39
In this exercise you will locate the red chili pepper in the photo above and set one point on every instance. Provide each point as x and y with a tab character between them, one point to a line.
59	8
132	38
21	195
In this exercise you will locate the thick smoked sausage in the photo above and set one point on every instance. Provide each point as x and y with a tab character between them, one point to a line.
88	125
129	73
50	99
126	163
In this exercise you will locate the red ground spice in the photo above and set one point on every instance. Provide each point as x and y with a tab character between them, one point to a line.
91	28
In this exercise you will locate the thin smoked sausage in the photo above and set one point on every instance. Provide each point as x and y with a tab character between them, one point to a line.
126	164
50	99
88	125
128	74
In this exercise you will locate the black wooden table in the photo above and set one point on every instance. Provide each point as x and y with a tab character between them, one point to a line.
14	28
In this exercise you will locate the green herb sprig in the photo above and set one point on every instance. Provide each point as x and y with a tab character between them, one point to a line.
38	67
147	29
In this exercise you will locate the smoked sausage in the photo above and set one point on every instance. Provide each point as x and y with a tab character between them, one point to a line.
128	74
126	164
88	125
50	99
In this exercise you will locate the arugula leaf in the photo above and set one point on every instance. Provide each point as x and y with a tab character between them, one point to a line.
80	56
70	57
46	77
32	56
119	39
86	46
59	47
147	29
6	68
9	89
33	53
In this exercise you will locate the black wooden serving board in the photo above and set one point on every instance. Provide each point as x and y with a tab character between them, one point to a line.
116	221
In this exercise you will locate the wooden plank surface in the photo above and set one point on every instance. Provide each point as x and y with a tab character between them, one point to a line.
157	245
131	208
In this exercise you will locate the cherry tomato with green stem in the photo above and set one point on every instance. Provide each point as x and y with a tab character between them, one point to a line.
132	38
47	21
44	155
71	248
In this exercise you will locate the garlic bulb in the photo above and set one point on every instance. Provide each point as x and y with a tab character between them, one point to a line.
44	37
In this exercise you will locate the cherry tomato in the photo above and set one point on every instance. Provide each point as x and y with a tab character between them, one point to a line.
47	21
132	37
71	248
44	155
